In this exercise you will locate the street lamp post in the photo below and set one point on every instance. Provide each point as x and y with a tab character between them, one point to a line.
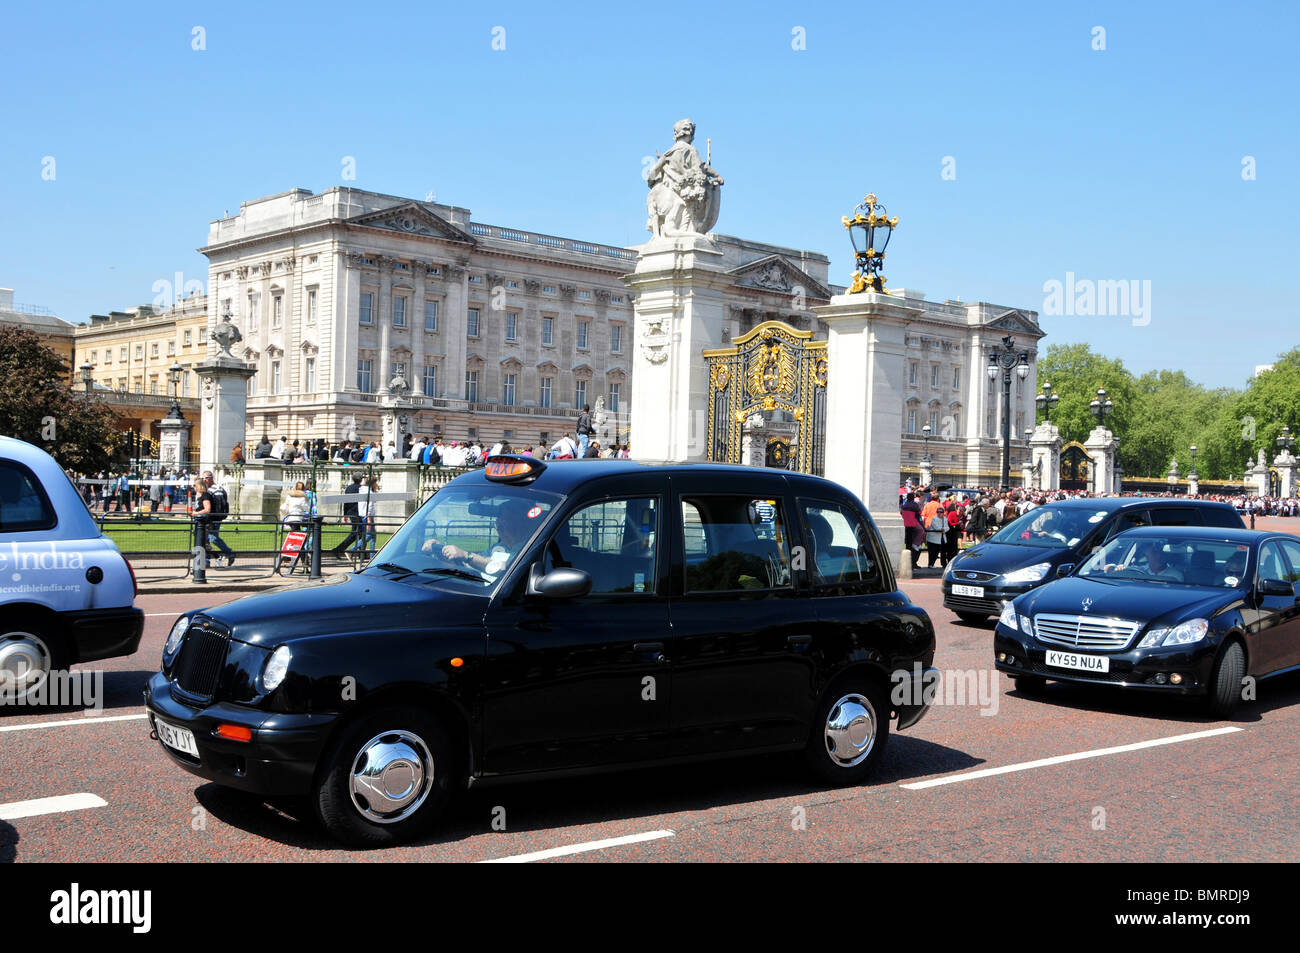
174	372
869	230
1286	441
1192	478
1047	401
87	381
1101	406
925	438
1002	360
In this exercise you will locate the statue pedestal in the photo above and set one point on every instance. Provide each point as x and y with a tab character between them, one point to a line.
680	289
1101	447
864	402
1045	448
224	413
1256	477
1285	464
174	441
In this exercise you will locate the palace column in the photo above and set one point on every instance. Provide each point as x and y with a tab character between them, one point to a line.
385	322
415	324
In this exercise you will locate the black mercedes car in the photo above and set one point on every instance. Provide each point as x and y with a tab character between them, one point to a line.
1049	541
562	617
1179	610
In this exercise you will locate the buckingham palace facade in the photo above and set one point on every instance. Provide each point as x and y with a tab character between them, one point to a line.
495	332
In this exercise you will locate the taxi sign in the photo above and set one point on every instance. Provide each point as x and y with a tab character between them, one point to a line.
507	468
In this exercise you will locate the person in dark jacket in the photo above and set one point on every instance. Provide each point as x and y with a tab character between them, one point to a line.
584	430
354	517
263	449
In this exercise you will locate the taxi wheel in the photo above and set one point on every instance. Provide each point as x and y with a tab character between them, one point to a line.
28	653
386	779
849	732
1225	683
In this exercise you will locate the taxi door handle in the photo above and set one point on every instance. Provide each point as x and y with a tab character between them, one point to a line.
657	647
800	639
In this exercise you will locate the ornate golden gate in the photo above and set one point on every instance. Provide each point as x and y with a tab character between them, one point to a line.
774	367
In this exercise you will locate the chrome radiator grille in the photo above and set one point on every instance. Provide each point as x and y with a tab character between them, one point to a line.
1090	633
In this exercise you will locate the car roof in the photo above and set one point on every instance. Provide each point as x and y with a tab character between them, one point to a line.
1202	532
1112	503
565	476
74	520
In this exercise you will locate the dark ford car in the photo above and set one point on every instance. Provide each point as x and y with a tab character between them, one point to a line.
567	617
1049	541
1181	610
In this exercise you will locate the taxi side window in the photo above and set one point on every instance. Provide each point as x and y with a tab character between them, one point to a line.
23	504
613	541
1128	521
745	545
841	554
1271	565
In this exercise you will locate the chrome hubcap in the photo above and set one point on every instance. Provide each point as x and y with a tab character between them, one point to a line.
850	730
24	664
391	776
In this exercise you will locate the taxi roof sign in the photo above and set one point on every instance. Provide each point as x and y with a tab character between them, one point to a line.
509	468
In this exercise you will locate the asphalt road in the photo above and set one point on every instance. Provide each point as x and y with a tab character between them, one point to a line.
1206	790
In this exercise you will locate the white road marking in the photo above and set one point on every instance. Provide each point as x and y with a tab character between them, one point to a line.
1062	759
581	848
50	805
72	721
154	615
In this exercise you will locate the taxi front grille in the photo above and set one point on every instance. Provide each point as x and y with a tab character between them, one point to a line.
1088	633
202	655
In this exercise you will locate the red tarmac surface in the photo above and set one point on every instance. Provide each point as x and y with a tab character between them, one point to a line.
1229	797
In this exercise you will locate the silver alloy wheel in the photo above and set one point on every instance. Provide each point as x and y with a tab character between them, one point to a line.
850	730
391	776
24	664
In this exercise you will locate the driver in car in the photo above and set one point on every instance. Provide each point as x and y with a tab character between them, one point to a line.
512	532
1157	564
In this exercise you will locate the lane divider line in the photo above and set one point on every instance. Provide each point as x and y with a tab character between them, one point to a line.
50	805
73	721
1063	758
581	848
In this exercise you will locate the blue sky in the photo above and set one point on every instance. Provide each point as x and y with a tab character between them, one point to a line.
1115	164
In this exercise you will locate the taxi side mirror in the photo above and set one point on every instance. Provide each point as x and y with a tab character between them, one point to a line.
1064	570
1276	587
558	583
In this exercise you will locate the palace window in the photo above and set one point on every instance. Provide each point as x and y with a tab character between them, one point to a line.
153	349
275	377
934	376
579	394
203	335
430	315
583	327
616	338
367	315
309	375
108	355
508	390
546	391
956	378
277	311
911	373
512	326
471	323
430	384
399	312
471	385
363	376
548	331
252	312
614	393
911	421
187	340
311	305
123	357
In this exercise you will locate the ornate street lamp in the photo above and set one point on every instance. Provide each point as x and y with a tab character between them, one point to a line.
925	436
87	381
174	372
1003	360
869	230
1191	471
1286	441
1101	406
1047	401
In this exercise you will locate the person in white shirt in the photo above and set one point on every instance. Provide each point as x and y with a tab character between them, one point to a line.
565	448
496	449
454	455
417	449
277	452
390	452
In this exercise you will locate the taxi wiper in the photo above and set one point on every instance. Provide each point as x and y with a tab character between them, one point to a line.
393	567
448	571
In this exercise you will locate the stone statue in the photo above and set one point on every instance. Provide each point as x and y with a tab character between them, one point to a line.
227	336
685	191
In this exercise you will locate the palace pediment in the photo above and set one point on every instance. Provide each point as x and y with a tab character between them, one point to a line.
412	219
775	273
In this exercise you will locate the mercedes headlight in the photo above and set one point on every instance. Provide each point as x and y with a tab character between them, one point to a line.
277	667
1193	630
1008	617
175	637
1034	573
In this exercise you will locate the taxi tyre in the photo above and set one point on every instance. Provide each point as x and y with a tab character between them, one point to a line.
41	642
849	694
1225	682
419	733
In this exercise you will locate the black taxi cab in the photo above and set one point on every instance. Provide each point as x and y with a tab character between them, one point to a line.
571	616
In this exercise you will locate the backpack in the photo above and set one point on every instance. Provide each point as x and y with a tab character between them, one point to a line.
220	504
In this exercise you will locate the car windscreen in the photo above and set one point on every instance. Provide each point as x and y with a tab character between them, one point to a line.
1050	527
1214	564
466	536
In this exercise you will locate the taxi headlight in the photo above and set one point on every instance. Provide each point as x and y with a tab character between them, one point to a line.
1034	573
1008	617
277	667
175	636
1193	630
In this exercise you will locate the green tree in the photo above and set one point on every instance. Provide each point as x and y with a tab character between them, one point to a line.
1253	419
1075	373
36	405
